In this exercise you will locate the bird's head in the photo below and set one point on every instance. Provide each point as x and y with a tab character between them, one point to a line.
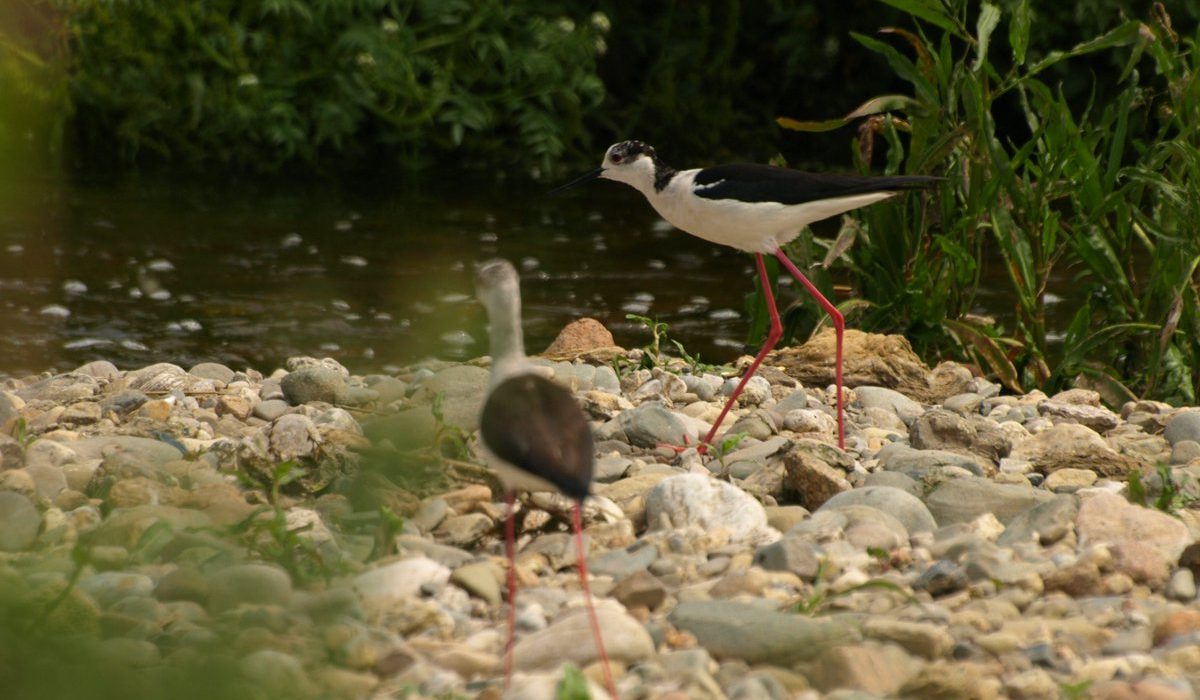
631	162
496	278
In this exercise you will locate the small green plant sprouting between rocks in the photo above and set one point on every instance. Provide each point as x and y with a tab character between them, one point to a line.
1080	690
1173	495
723	448
449	441
821	597
573	686
652	352
267	535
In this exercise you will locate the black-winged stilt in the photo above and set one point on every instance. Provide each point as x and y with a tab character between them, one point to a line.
534	435
754	208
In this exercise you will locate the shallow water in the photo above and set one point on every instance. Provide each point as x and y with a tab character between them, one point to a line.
374	273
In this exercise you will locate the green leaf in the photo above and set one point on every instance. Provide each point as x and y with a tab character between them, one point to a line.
989	350
901	65
1123	35
1018	32
989	19
931	11
573	685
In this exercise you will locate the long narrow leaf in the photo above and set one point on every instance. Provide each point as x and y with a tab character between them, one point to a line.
875	105
989	350
901	65
931	11
1126	34
1018	32
989	19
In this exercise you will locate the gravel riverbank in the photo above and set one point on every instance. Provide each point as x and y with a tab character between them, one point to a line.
298	531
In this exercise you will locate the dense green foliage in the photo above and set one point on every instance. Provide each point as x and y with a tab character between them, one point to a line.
268	82
1108	192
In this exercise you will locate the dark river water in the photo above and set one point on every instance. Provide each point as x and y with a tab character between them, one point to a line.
376	274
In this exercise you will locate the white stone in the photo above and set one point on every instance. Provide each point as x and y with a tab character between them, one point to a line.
697	500
384	585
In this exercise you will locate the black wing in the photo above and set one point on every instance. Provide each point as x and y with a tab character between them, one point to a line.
535	424
765	183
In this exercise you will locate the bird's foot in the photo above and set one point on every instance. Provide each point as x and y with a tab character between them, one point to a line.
700	447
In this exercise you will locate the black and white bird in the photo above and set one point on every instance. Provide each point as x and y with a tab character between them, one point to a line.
756	209
534	435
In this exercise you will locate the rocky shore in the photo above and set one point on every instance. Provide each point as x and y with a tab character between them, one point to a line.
309	533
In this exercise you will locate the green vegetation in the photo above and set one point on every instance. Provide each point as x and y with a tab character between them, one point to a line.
1161	490
653	355
268	83
1106	192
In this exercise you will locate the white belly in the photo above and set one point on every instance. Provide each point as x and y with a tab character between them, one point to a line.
754	228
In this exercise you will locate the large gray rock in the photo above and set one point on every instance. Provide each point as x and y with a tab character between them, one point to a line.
314	384
621	563
898	457
259	584
648	425
1045	523
164	377
964	499
939	429
878	669
388	584
697	500
1184	425
904	506
61	388
8	409
1072	445
108	587
792	554
1111	519
760	634
293	436
19	522
212	370
463	389
140	449
890	400
570	638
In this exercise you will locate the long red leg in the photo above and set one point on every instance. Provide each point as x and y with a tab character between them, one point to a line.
581	558
772	338
839	328
509	551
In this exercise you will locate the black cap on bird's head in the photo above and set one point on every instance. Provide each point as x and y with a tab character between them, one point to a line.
631	162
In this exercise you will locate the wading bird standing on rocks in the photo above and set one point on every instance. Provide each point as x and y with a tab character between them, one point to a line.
534	434
754	208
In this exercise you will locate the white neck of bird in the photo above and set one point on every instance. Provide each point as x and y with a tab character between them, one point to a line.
504	329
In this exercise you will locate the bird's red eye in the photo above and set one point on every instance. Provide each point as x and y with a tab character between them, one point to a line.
616	159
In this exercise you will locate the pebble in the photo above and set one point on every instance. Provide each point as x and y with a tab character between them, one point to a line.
902	505
19	522
694	500
759	634
980	547
569	638
964	499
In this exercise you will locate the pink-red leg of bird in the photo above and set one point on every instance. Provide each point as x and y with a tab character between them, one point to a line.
772	338
509	551
839	328
581	558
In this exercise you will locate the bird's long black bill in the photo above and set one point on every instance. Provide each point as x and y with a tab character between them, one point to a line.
586	177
